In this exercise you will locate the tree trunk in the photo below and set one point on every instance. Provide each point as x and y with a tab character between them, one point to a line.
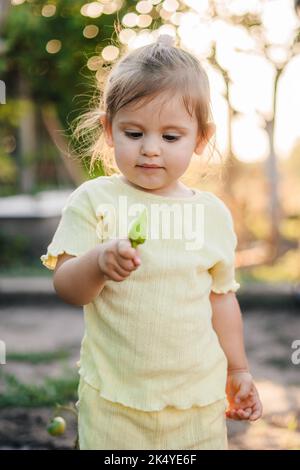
272	178
274	205
27	140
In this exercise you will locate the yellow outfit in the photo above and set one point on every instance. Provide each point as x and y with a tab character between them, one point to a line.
149	344
104	425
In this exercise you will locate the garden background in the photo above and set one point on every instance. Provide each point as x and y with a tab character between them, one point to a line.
52	54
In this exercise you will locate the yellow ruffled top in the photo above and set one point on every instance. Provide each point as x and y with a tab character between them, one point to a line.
149	341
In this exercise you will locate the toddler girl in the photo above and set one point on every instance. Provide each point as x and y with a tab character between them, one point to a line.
162	360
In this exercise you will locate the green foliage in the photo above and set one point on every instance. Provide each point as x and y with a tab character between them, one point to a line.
10	116
13	248
286	269
290	228
51	392
8	168
40	357
60	76
25	268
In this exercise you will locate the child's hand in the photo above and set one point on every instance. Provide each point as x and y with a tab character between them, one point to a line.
117	259
243	398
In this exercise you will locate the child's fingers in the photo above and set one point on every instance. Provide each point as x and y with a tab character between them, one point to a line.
232	414
121	272
126	251
244	414
256	412
127	264
229	414
255	416
243	392
239	414
137	260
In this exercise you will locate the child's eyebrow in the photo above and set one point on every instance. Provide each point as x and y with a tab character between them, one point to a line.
169	126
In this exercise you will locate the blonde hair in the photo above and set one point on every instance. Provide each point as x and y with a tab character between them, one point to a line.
140	76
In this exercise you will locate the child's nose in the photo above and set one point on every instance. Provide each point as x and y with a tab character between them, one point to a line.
150	147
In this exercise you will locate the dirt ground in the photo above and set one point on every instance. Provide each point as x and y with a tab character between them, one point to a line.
268	339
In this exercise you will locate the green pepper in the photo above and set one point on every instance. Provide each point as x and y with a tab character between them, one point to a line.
138	230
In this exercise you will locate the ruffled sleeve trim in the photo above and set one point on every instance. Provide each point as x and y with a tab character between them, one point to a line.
50	259
233	287
76	232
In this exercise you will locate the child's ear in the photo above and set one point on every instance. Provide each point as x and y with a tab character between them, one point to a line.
107	128
202	142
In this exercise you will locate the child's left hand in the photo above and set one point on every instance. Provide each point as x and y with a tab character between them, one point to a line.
240	386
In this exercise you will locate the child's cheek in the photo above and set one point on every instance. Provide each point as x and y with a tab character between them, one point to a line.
126	143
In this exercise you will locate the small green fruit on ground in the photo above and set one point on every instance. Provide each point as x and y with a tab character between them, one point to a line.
138	230
57	426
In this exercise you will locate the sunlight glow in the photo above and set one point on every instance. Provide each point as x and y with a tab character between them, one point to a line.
112	7
170	5
202	7
249	141
142	39
53	46
195	34
251	72
144	7
144	21
164	14
287	129
126	35
279	21
94	63
237	7
110	53
130	20
94	10
48	10
17	2
90	31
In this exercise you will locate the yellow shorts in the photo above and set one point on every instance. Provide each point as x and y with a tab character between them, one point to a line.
108	425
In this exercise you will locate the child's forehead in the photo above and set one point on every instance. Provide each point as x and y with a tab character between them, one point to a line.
162	107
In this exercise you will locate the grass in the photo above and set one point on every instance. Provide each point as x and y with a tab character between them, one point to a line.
26	270
43	357
52	392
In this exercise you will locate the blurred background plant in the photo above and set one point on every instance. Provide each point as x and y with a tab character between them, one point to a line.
52	52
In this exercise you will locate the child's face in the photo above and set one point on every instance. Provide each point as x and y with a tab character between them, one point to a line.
157	133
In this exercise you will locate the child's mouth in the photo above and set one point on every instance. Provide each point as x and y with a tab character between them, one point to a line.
150	167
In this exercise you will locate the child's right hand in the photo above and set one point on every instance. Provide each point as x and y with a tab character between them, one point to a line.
117	259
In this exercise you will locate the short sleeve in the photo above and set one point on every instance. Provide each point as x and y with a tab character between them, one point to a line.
76	231
223	271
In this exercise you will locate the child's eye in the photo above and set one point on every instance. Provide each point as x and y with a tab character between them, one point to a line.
136	135
171	138
133	135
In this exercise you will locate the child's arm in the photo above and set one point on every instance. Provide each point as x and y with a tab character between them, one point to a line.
78	280
242	395
227	322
